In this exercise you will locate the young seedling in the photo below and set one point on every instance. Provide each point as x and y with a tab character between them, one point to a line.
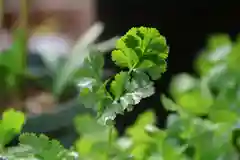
141	54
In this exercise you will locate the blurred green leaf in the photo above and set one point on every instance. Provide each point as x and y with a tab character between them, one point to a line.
10	125
192	94
234	57
137	131
168	104
73	63
14	59
182	83
45	148
87	125
223	116
218	48
142	48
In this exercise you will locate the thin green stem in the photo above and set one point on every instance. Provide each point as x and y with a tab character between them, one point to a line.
110	141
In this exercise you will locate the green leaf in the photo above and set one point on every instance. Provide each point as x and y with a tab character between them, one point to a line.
195	102
156	71
182	83
93	135
192	94
10	125
218	48
172	152
233	58
109	113
84	145
219	77
15	57
90	70
124	58
169	104
88	98
87	125
223	116
118	85
44	148
135	47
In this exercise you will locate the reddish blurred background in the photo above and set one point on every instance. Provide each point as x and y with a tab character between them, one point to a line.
71	17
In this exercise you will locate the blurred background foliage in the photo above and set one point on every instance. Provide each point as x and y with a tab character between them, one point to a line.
188	29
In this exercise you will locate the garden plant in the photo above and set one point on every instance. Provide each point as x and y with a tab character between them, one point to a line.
142	51
203	122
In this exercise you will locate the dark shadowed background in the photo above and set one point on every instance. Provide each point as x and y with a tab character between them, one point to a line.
186	27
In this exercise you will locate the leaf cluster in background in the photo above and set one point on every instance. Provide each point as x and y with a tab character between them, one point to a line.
31	146
203	123
214	95
141	54
142	141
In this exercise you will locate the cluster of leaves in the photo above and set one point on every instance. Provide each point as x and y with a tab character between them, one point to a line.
207	106
64	70
141	54
203	123
58	73
31	146
142	141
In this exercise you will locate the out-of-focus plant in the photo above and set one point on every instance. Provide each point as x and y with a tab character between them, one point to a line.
13	60
207	105
142	141
65	69
31	146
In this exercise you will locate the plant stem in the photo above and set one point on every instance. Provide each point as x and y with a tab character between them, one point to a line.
110	141
1	13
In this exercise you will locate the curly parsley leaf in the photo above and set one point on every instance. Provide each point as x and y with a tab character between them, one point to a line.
143	48
44	148
143	51
217	50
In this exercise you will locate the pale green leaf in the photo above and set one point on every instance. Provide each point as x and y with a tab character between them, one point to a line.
10	125
118	85
45	148
168	104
